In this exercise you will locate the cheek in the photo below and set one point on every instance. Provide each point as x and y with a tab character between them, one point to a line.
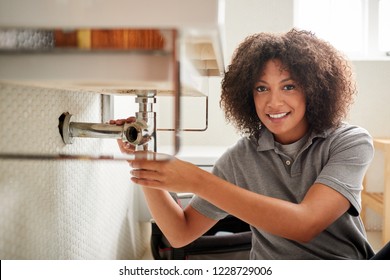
259	106
301	106
259	101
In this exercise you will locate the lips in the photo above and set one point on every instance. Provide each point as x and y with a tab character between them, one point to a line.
277	116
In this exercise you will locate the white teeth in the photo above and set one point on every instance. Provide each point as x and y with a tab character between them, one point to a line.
277	116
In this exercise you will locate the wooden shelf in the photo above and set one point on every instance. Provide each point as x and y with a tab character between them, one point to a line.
199	45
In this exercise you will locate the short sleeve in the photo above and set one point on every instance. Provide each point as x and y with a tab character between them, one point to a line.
350	154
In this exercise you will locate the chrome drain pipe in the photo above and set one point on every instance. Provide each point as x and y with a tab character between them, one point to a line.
141	133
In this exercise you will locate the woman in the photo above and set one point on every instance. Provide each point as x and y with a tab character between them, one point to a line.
296	176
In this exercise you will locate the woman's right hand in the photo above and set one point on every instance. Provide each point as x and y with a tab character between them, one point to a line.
125	147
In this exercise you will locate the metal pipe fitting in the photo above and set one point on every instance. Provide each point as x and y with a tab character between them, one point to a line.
135	133
141	133
147	119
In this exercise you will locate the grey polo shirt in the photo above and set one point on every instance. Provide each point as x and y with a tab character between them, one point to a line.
337	158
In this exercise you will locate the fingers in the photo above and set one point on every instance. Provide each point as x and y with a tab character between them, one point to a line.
130	119
117	122
148	175
151	165
146	183
146	178
125	147
122	121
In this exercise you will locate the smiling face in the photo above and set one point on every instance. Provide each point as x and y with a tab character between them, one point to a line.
280	103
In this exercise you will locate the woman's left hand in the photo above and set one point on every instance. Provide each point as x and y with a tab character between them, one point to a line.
172	175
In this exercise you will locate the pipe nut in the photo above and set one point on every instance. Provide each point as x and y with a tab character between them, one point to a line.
136	133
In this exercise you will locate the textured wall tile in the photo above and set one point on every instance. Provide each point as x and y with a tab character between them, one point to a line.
62	209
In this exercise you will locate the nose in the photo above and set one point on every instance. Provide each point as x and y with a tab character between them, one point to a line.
275	99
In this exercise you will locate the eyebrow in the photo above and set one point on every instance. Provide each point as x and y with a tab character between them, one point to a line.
282	81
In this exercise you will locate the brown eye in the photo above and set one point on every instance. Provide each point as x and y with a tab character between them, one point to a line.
261	89
289	87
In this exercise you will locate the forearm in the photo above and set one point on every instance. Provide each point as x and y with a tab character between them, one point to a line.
179	226
258	210
273	215
302	221
166	212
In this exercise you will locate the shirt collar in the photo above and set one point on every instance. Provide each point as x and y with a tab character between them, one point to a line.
266	139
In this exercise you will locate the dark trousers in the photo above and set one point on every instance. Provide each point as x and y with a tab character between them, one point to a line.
383	254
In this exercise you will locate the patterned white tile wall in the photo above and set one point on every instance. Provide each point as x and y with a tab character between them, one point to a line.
62	209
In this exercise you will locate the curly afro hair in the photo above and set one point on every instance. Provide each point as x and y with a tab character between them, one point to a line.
318	68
